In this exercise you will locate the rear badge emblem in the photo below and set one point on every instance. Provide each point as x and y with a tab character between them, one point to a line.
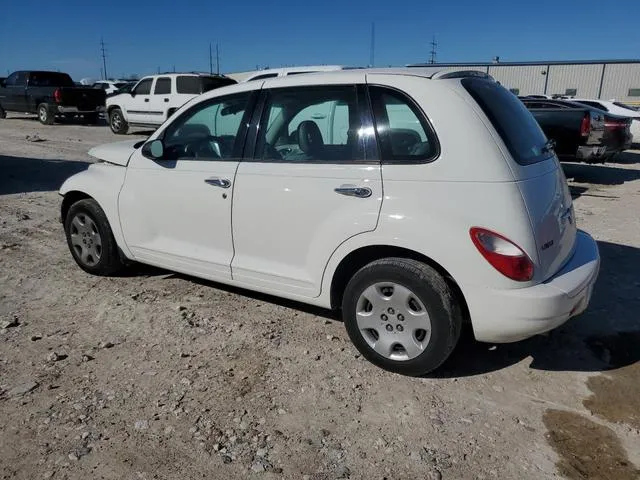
547	245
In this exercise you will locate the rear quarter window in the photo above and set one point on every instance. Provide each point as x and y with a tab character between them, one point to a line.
189	84
516	126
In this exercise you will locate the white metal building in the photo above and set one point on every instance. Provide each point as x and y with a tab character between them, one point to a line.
605	79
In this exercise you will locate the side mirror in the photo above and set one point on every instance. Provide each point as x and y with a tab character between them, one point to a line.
132	93
153	150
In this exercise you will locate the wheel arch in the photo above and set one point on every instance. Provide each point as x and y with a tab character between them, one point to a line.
362	256
69	199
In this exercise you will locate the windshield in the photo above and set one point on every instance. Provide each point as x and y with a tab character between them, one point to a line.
516	125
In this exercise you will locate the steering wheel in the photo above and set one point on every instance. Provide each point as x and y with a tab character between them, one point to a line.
202	147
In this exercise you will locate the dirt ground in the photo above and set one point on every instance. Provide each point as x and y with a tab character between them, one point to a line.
153	375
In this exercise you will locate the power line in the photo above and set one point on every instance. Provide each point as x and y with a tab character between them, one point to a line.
372	48
104	58
434	53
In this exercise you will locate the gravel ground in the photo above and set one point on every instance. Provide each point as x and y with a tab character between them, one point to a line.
157	375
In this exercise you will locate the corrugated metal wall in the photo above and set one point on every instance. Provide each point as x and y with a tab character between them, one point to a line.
527	79
618	79
583	78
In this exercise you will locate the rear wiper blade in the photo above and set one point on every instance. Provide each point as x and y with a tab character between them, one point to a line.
549	146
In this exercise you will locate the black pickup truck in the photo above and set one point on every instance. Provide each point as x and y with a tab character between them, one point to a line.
580	132
50	95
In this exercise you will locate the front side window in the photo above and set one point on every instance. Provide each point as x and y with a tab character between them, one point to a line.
144	87
19	80
163	86
209	131
404	134
311	124
190	84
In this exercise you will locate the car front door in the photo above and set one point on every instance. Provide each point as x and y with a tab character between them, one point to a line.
159	101
16	96
313	182
138	105
175	211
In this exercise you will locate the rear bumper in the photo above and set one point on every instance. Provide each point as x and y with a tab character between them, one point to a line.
502	316
592	153
76	110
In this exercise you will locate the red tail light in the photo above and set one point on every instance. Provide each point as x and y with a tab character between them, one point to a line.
585	126
57	95
610	123
503	255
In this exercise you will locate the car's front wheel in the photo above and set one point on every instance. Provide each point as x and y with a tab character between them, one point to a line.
401	315
90	238
117	122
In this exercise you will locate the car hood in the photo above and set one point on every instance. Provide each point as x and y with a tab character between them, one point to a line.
117	153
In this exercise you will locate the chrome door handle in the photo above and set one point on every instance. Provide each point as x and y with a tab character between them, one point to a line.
353	191
218	182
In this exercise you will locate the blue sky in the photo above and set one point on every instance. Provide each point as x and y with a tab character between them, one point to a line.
142	36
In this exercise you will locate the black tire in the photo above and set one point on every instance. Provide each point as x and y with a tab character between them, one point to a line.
91	118
3	114
45	115
107	260
118	124
430	289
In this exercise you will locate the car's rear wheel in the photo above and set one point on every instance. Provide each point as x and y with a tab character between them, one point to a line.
117	122
45	115
401	315
90	238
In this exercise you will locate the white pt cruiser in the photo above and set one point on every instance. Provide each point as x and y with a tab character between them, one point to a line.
412	202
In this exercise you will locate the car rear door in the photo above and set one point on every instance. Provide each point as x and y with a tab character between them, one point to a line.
302	192
175	212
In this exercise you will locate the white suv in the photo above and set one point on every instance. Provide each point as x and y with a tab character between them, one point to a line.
411	203
154	99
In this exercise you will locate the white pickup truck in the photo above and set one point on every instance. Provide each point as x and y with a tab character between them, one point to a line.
154	99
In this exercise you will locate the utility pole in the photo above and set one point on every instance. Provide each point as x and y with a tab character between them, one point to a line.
434	46
372	49
210	60
217	60
104	58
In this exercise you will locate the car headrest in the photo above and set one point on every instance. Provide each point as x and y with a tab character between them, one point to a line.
309	137
195	130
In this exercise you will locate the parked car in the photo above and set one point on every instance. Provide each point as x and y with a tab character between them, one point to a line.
581	132
49	94
109	86
154	99
282	72
616	108
475	223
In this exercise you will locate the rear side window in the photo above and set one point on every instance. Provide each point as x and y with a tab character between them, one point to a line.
514	123
404	134
50	79
210	83
163	86
189	84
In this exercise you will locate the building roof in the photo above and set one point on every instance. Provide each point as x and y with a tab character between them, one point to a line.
518	64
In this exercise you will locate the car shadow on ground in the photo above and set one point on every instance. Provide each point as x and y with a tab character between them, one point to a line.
599	174
627	158
24	174
603	338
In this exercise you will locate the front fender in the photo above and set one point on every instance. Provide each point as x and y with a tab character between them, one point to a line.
102	182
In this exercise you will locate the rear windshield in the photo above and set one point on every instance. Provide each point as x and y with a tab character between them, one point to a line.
516	125
50	79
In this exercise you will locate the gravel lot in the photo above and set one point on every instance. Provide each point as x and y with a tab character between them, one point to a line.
157	375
